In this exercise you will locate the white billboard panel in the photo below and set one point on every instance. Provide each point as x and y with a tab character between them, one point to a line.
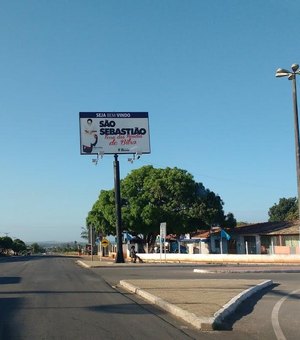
114	133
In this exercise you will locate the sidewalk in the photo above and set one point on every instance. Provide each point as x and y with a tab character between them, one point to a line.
208	267
203	303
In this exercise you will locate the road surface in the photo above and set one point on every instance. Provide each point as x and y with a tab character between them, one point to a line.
53	298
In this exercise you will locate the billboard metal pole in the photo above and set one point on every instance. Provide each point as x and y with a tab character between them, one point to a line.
119	256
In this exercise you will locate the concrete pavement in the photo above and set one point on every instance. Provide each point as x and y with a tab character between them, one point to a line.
203	303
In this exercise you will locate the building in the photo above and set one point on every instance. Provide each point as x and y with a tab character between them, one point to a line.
259	238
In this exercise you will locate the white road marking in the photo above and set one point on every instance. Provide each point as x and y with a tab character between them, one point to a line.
275	322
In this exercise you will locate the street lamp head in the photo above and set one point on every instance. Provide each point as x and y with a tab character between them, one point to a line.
281	72
295	67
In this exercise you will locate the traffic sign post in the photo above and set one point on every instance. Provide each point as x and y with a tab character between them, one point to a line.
91	235
163	233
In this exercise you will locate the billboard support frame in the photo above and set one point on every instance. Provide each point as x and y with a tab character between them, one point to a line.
119	256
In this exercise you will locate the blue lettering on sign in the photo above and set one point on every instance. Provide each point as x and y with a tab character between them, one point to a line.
107	123
123	131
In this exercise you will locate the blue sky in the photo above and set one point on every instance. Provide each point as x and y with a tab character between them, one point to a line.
204	70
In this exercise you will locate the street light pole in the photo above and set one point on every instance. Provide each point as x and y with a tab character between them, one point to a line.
296	127
292	76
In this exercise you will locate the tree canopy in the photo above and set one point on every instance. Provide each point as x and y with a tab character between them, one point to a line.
36	248
151	196
285	210
7	244
18	246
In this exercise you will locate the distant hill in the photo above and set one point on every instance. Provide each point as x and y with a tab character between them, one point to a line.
50	244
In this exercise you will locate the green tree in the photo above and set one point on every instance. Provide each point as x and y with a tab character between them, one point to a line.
84	233
151	196
102	216
230	221
36	248
18	246
6	244
285	210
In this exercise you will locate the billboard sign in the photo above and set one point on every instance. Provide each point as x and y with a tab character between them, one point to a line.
114	133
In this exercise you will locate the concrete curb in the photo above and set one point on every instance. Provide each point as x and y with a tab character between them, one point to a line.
176	311
245	271
102	265
82	264
97	264
201	323
231	306
204	271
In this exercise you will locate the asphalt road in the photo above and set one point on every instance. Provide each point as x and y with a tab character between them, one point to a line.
53	298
